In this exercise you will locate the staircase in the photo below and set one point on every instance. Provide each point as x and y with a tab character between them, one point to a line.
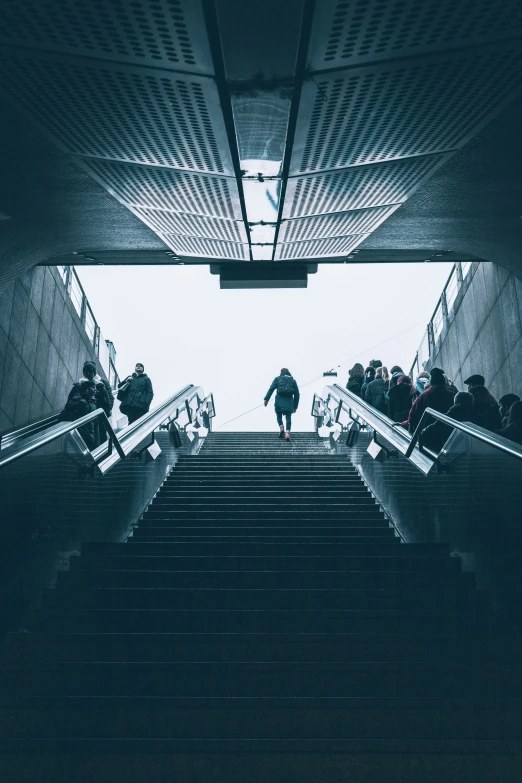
263	624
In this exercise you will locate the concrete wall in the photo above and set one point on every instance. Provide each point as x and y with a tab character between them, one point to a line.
484	333
42	347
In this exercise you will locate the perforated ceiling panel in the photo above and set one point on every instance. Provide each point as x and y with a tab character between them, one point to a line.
346	33
361	221
319	248
164	33
206	248
161	188
192	225
121	112
357	187
389	111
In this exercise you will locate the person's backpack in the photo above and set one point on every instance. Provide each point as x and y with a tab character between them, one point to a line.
285	386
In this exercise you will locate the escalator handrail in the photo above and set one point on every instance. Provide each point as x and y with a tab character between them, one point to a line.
124	442
9	439
486	436
408	444
133	434
53	433
382	424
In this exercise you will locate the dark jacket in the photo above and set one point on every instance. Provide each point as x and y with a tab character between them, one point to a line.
375	392
139	393
284	404
104	398
487	406
438	397
354	385
399	402
77	407
435	435
512	432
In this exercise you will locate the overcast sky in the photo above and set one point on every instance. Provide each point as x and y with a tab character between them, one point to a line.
178	322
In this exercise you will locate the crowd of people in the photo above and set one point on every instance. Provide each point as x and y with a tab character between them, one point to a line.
404	400
90	392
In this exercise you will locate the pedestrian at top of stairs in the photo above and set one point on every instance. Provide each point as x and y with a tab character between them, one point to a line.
286	400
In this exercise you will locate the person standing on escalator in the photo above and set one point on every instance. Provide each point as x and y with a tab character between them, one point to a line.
135	394
286	400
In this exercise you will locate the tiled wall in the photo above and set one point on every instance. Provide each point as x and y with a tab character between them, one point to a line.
42	347
485	335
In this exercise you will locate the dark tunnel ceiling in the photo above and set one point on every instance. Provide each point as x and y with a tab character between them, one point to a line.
285	131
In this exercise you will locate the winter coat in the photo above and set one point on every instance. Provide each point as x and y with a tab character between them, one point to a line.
512	432
282	403
440	398
490	418
139	393
104	398
77	407
435	435
354	385
399	402
375	392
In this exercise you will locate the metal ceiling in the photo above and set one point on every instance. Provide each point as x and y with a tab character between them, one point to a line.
164	102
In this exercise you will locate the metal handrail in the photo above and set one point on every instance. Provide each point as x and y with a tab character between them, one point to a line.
8	439
131	436
32	444
124	443
383	425
486	436
407	444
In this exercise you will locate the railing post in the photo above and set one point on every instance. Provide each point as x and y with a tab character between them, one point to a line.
83	310
431	340
67	280
460	276
444	303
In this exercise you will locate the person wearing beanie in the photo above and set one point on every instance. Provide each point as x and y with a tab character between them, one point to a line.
286	400
437	396
103	397
82	402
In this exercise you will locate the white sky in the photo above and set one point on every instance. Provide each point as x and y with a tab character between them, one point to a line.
178	322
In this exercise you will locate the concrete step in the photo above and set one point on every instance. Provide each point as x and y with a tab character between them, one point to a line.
253	598
234	761
370	518
410	580
252	549
398	562
263	718
164	537
201	646
345	679
267	620
251	496
382	531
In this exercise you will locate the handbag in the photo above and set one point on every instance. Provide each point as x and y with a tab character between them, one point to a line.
122	390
